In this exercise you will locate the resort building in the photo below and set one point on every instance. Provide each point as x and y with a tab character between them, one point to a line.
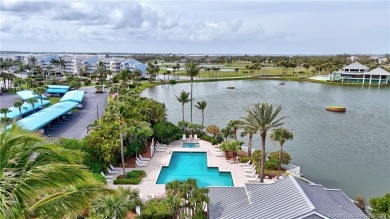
113	64
89	65
358	73
45	61
286	198
72	64
132	65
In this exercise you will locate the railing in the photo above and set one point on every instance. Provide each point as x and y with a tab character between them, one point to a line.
292	169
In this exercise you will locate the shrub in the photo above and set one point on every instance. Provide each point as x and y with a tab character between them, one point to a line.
99	178
206	137
285	157
166	132
87	82
244	159
271	164
155	209
132	86
270	173
256	156
214	141
97	83
132	181
135	174
381	205
172	82
213	130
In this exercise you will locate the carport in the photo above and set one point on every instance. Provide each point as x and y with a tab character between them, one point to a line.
73	96
45	116
26	108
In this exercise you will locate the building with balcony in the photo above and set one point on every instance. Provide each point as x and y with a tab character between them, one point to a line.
361	74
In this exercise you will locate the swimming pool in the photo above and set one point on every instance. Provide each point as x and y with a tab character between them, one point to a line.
190	145
184	165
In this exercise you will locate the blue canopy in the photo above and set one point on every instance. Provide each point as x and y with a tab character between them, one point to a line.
58	86
28	94
26	108
56	91
43	117
74	96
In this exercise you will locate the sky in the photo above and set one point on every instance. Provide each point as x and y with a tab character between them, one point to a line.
197	27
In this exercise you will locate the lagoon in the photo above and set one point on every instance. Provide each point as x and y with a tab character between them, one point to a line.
350	151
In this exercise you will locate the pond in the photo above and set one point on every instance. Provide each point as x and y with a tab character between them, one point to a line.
349	151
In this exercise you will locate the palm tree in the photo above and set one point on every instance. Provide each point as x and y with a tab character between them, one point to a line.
18	104
201	106
192	70
32	101
234	125
40	91
262	117
183	99
5	111
281	135
19	82
42	180
33	61
61	64
248	130
236	70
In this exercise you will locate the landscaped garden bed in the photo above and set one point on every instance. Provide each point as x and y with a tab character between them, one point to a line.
132	178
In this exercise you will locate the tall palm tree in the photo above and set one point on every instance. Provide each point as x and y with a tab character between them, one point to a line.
5	111
61	64
201	106
40	91
281	135
18	104
32	101
33	61
183	99
248	130
234	125
236	70
262	117
192	70
42	180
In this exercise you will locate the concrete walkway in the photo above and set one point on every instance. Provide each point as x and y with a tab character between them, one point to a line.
148	184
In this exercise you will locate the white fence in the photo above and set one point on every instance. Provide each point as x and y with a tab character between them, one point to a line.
292	169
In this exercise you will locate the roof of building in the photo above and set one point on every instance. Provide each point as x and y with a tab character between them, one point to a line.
27	94
286	198
115	59
131	62
90	60
356	65
43	117
74	96
26	108
48	58
378	71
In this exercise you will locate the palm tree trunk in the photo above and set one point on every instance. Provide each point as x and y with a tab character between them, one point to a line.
262	161
280	158
182	111
250	144
192	78
122	151
202	119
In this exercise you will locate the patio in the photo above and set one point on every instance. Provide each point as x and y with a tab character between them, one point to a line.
148	184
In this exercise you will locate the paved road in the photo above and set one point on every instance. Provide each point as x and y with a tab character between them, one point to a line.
75	125
7	100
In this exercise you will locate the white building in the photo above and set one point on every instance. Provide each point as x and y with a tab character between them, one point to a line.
361	74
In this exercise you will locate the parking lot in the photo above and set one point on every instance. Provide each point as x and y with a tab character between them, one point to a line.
74	125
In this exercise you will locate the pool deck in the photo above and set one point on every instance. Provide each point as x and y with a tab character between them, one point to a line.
148	184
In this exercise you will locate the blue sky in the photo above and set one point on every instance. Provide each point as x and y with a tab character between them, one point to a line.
202	27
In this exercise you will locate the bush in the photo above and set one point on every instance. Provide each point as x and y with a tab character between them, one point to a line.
166	132
256	156
244	159
270	173
99	177
381	205
97	83
206	137
155	209
132	86
87	82
132	181
285	157
172	82
271	164
213	130
135	174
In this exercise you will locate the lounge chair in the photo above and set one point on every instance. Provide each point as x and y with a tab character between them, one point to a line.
106	176
184	138
164	145
141	164
160	146
159	149
248	167
246	164
254	178
250	170
220	154
251	174
112	171
150	196
114	168
141	161
196	137
143	158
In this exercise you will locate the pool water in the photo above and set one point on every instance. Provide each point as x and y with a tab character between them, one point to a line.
184	165
190	145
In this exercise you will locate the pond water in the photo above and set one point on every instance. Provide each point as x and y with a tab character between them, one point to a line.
350	151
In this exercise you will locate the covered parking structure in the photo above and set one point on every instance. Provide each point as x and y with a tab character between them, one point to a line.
45	116
57	89
26	108
28	94
73	96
